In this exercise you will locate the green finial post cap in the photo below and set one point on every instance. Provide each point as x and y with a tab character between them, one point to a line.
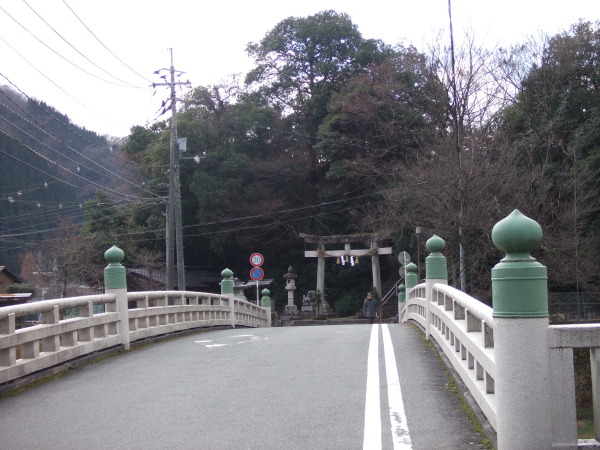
114	255
265	300
411	277
435	244
517	235
401	293
227	273
114	273
436	267
227	282
519	282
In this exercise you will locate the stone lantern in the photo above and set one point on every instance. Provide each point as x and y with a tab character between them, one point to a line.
290	287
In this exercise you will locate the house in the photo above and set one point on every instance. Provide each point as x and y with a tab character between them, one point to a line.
6	279
199	279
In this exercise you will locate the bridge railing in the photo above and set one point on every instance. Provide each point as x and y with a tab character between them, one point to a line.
462	327
60	337
54	341
154	316
518	368
77	326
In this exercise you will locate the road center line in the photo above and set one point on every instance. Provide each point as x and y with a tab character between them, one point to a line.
372	436
400	434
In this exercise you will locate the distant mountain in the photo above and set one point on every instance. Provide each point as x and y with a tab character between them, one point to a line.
39	146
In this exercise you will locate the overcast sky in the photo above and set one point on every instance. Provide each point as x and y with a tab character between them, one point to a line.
94	60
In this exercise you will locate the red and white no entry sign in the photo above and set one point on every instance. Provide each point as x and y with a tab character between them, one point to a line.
256	259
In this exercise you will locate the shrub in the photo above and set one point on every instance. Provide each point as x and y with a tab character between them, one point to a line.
347	305
20	288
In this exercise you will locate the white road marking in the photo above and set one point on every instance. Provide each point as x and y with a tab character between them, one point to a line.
372	436
399	427
400	434
243	339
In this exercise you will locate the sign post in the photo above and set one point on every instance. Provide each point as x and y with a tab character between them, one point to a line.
257	273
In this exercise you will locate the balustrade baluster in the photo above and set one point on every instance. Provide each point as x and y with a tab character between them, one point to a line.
8	355
595	374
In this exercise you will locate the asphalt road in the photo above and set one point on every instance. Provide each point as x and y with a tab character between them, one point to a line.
268	388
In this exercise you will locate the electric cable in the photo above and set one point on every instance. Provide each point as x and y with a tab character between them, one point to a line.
102	43
73	47
64	169
42	129
57	53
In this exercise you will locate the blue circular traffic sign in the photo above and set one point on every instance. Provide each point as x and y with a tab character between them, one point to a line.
256	273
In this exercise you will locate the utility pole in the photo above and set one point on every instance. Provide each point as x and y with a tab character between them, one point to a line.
457	137
174	236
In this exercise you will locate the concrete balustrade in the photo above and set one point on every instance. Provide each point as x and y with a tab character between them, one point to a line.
27	350
463	328
517	367
127	317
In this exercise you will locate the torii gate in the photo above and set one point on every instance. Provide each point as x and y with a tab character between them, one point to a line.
372	240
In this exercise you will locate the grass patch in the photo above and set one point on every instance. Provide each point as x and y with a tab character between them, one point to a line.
585	423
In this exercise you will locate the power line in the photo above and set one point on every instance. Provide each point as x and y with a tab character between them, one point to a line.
41	73
73	47
59	166
76	225
102	43
36	168
35	124
70	129
57	53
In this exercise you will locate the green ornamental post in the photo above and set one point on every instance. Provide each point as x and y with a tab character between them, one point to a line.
114	273
520	310
115	282
436	272
401	293
227	282
411	277
519	282
265	302
401	302
227	289
436	267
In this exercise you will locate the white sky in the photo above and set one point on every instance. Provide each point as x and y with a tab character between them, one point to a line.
209	41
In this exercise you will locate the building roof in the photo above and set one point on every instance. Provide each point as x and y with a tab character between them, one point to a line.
14	299
10	274
196	278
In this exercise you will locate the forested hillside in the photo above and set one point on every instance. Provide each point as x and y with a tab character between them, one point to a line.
331	133
49	169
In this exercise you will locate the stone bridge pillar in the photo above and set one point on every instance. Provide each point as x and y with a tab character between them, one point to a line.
520	309
436	271
115	282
